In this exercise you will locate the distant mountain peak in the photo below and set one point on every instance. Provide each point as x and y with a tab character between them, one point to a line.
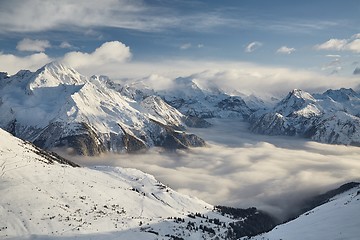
298	93
342	94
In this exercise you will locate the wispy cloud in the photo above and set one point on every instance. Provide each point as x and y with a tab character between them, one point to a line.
185	46
351	44
65	44
253	46
37	15
30	45
285	50
298	25
333	56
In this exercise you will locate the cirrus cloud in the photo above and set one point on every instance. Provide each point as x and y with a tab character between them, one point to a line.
69	15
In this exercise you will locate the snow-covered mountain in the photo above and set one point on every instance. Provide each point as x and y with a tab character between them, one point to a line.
192	99
331	117
44	196
336	219
58	107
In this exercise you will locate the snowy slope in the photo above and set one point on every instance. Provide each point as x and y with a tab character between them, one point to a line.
163	112
191	98
46	197
331	117
336	219
58	107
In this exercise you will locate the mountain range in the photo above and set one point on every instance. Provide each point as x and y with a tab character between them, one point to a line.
58	107
331	117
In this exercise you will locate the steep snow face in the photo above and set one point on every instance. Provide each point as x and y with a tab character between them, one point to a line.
194	100
44	197
336	219
331	117
56	106
163	112
298	102
347	99
338	127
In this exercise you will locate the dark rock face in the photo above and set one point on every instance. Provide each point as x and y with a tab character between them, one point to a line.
235	104
80	137
132	143
172	139
195	122
271	124
325	197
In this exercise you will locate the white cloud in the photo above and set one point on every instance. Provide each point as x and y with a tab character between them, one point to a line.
113	59
285	50
352	44
38	15
33	45
185	46
333	56
241	76
12	64
65	44
272	173
253	46
332	44
200	45
108	55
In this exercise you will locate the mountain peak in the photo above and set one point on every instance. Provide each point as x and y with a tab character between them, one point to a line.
298	93
54	65
342	94
296	100
55	74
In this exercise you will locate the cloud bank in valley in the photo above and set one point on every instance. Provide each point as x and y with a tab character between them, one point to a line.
242	169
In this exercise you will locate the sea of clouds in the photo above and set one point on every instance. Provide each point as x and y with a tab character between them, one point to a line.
242	169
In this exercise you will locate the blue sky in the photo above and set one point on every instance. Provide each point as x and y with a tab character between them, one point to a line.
310	35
